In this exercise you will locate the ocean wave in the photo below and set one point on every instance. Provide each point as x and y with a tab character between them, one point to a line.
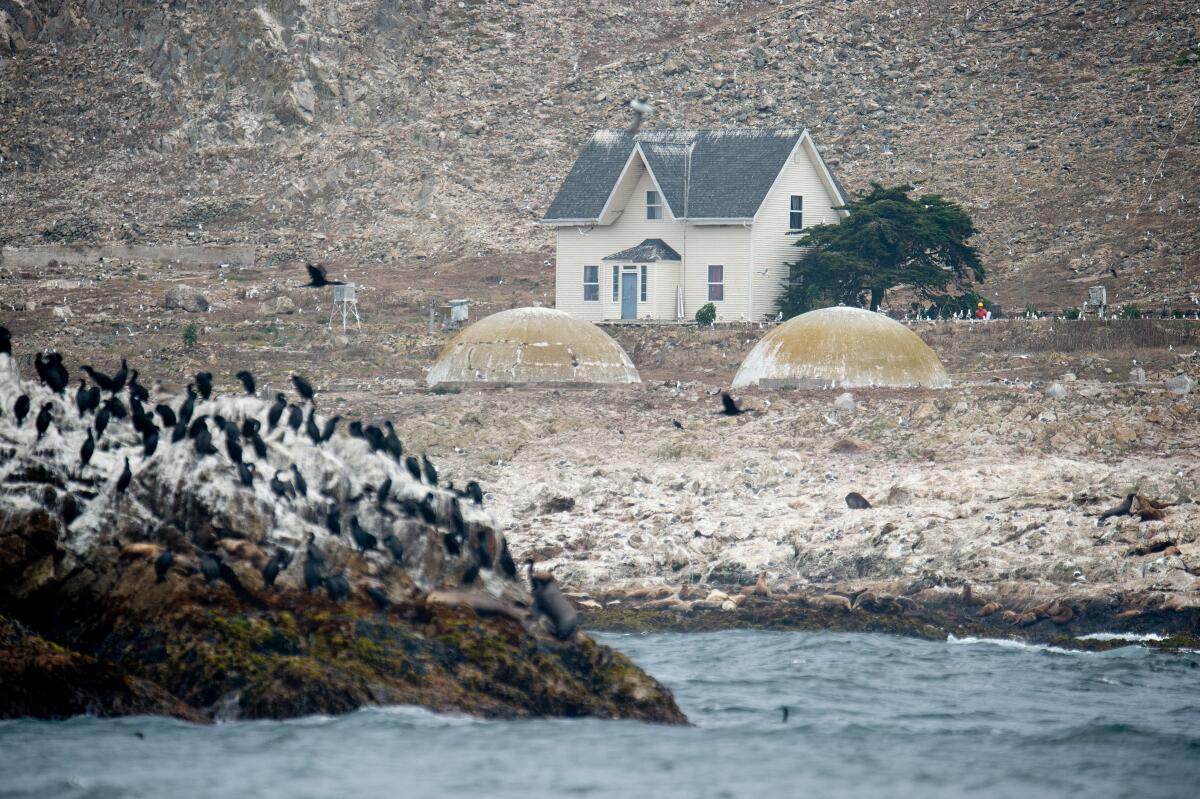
1131	637
1009	643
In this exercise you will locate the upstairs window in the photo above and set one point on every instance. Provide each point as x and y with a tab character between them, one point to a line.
796	215
591	284
653	205
616	283
716	283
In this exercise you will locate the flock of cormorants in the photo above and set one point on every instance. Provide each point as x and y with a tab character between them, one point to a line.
120	399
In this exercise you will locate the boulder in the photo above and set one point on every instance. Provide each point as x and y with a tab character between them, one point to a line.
1056	391
845	402
1180	384
183	297
280	305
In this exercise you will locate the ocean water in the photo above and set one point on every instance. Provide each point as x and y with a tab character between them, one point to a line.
870	715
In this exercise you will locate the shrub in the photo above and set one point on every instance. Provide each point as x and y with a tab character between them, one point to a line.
707	314
1130	312
1071	313
190	335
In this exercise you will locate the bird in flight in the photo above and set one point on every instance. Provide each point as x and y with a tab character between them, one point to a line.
317	279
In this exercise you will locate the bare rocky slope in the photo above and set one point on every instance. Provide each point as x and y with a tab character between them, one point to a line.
403	132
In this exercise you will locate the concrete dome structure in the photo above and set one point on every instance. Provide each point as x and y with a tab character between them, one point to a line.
841	348
532	345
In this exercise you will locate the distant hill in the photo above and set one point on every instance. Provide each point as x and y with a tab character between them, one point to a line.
389	130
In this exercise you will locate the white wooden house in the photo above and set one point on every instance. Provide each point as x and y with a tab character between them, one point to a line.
654	225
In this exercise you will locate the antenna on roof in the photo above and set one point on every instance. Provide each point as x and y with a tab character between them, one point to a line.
641	110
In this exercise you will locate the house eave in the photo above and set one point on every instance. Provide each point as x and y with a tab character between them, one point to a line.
719	220
568	222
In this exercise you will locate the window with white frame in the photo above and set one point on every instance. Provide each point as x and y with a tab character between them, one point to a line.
653	205
716	283
645	270
591	284
616	282
796	215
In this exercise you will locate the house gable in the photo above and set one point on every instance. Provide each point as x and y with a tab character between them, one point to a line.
705	176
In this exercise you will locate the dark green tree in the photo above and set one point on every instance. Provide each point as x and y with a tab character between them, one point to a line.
888	239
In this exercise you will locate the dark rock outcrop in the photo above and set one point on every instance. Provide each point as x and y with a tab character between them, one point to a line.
88	626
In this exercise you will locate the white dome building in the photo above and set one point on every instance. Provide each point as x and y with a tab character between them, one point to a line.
841	348
532	345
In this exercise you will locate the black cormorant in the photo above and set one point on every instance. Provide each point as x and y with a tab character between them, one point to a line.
204	384
337	586
161	564
393	545
728	406
414	467
210	567
167	414
379	598
299	481
317	278
303	388
21	408
247	381
43	419
246	474
362	539
101	423
392	441
85	452
295	418
310	427
137	390
431	473
276	411
86	399
125	478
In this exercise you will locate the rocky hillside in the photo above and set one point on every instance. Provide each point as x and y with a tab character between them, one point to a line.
407	131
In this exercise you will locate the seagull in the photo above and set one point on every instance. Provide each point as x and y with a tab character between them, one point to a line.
641	110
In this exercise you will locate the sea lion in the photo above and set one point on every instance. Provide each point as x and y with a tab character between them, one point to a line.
833	602
856	501
989	609
141	549
549	601
760	586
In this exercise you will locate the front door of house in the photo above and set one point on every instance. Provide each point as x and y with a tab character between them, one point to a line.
629	295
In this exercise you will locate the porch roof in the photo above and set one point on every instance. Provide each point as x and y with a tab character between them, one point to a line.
648	251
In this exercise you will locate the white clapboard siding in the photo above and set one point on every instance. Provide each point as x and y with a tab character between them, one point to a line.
580	246
773	247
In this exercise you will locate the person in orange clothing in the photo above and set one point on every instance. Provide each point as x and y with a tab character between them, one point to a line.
981	312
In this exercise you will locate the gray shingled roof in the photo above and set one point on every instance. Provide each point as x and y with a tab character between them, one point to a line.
731	170
648	250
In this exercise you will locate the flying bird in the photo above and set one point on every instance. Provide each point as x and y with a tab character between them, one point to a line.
317	278
728	406
641	110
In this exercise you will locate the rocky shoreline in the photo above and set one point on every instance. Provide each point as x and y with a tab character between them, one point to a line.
1073	620
276	572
